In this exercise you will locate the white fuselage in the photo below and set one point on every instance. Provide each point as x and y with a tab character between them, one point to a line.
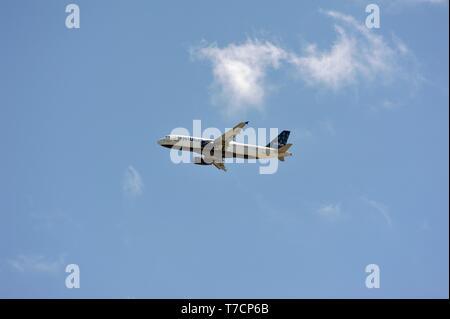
205	147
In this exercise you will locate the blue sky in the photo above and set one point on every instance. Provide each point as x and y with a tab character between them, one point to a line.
83	181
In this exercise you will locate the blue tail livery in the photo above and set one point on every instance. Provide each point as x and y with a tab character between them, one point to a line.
280	140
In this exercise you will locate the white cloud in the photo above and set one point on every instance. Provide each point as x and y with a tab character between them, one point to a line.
132	182
357	55
335	68
382	209
240	71
36	263
330	211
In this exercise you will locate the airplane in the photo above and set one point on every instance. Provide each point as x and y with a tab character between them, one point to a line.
214	151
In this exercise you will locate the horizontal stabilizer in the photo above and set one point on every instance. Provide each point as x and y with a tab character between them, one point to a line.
284	148
282	151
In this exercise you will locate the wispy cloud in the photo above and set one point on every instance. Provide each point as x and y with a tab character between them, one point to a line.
330	212
240	71
132	182
357	55
381	208
36	264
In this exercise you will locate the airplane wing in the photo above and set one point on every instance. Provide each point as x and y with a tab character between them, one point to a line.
220	166
222	142
218	163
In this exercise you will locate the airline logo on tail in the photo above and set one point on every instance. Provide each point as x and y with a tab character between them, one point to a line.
280	140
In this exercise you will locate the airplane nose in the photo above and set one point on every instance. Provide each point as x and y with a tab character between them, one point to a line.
159	142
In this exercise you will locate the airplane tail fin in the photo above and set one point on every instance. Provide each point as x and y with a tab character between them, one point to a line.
283	151
280	140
